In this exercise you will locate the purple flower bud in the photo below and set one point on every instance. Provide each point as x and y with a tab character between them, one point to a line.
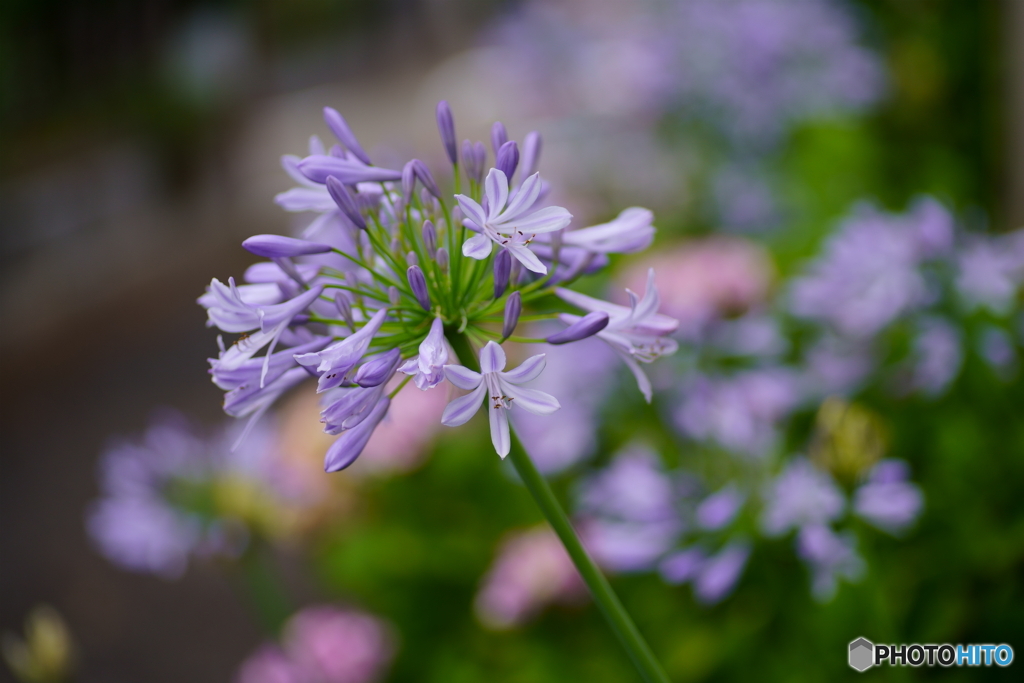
393	296
276	246
513	307
344	306
502	268
508	159
378	369
499	136
337	151
408	181
424	176
587	326
430	238
396	247
515	272
446	125
411	259
531	153
317	168
336	122
345	201
442	260
347	447
419	286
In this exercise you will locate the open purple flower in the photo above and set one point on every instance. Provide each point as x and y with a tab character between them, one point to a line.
511	224
498	390
639	334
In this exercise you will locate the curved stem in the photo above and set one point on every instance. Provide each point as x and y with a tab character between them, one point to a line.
612	609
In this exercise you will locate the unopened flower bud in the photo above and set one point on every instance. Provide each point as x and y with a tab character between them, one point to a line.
425	177
508	159
531	153
396	248
515	272
430	238
456	217
337	151
513	307
499	136
273	246
442	260
418	283
378	370
502	268
344	306
587	326
336	122
345	201
393	296
446	126
408	181
411	259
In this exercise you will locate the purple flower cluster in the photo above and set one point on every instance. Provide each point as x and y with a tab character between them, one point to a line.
388	280
173	494
324	644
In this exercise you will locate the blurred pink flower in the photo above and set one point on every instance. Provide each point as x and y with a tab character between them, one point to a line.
532	570
399	445
706	278
269	664
332	645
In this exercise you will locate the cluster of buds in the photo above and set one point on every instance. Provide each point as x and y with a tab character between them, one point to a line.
395	275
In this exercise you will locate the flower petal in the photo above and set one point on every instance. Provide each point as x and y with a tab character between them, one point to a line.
641	378
462	377
461	409
499	429
527	258
529	370
477	247
524	199
492	358
496	187
471	210
531	400
589	303
547	219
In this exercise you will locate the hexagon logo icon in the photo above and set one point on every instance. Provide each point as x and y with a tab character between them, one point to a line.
862	654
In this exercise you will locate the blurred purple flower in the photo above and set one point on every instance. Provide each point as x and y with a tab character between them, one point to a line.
741	412
713	577
830	557
990	270
269	664
800	495
868	273
888	500
720	508
997	348
631	511
937	348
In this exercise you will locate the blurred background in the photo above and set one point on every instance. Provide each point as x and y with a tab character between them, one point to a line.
141	145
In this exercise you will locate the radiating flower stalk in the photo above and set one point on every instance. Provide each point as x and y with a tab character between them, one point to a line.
395	272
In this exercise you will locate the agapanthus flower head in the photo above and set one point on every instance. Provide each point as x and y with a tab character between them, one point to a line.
389	280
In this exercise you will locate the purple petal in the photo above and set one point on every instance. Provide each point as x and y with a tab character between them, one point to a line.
507	159
463	377
531	153
524	200
347	447
492	358
477	247
471	209
459	411
446	126
378	370
547	219
527	258
499	430
529	370
531	400
318	167
496	188
499	136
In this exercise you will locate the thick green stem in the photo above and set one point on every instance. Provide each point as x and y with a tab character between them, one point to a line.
612	609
